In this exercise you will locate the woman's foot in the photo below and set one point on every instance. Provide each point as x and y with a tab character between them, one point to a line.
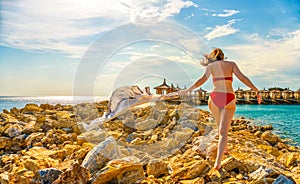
217	167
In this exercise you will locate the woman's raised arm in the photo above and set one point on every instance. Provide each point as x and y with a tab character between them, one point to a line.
243	78
246	81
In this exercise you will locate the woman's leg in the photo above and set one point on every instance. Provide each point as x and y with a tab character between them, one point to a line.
216	112
225	121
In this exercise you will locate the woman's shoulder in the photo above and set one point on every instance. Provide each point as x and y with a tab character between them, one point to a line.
229	61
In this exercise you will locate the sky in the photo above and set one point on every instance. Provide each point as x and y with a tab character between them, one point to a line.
72	47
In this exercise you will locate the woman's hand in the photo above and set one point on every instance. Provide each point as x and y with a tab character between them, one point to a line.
259	98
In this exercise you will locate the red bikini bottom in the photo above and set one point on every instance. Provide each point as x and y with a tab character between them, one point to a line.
221	99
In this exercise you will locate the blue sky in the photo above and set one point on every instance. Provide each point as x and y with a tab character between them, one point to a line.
43	43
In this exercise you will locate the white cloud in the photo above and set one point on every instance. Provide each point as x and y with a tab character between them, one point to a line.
190	16
223	30
227	13
276	62
70	26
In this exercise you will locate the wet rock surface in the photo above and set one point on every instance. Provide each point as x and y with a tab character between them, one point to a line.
152	143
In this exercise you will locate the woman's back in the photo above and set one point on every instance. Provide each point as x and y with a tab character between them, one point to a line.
221	72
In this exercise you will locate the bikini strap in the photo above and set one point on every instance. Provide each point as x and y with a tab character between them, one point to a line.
222	78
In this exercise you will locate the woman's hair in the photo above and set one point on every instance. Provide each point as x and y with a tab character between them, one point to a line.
216	54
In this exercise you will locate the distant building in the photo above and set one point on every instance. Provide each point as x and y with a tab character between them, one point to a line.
177	88
297	94
201	94
162	89
265	94
287	94
171	89
275	94
239	93
250	94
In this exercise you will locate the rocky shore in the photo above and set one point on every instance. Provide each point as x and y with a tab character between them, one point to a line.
153	143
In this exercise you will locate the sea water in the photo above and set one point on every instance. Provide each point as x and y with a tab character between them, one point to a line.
285	119
8	102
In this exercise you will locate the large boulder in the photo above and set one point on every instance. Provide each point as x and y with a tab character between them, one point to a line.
270	137
125	170
230	163
13	130
146	124
76	174
101	154
93	136
30	108
157	168
191	170
269	149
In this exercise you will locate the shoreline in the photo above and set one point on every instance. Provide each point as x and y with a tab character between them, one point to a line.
27	135
254	102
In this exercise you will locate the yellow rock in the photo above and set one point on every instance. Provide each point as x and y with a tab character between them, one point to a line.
296	174
289	158
281	145
69	149
75	174
199	180
40	118
157	168
120	171
62	115
193	170
65	164
292	148
4	142
4	178
41	155
58	155
230	163
239	177
32	108
270	137
32	165
269	149
7	118
24	177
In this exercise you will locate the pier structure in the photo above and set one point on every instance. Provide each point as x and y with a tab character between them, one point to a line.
274	95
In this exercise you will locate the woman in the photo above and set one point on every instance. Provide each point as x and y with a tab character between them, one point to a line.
222	99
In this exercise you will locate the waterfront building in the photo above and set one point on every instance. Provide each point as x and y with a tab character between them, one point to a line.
239	93
171	89
265	94
275	94
177	88
201	94
297	94
162	89
249	94
287	94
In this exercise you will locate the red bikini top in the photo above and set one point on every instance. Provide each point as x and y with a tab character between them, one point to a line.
222	78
